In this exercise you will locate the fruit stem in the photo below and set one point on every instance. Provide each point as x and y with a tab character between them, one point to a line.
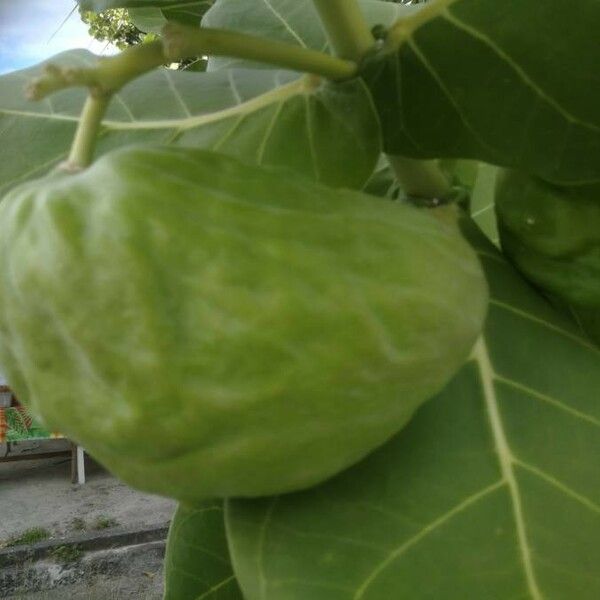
346	27
181	41
420	178
84	143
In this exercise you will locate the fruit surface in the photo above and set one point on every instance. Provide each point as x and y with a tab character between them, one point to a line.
206	328
552	234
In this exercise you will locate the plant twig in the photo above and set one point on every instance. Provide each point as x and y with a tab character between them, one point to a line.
181	42
102	78
348	31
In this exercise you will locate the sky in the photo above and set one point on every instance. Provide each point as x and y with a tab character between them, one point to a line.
31	31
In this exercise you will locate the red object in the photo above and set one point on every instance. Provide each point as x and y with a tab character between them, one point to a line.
3	426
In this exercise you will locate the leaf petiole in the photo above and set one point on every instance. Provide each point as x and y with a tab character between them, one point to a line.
181	42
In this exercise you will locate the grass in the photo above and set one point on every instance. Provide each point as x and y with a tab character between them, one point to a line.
78	524
104	522
29	536
65	554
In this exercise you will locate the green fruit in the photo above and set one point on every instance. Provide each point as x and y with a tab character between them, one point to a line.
206	328
552	234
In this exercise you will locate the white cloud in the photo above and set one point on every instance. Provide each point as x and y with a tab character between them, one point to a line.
33	31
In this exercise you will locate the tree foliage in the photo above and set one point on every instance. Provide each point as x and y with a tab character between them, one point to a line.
113	26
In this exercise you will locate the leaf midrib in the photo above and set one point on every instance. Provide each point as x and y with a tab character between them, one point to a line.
279	94
506	461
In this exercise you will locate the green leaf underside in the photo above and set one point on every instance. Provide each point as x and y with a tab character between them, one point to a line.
191	6
149	20
292	21
329	133
492	491
152	19
197	564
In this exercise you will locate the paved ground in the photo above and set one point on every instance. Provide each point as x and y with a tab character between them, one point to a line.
122	588
40	494
135	574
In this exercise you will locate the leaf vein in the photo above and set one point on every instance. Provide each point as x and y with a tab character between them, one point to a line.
126	108
397	552
559	485
526	315
177	95
285	24
216	587
548	399
523	75
435	75
234	88
268	131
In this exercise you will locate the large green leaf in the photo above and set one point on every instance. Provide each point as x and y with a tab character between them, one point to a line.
197	564
327	132
470	80
151	15
491	492
292	21
152	19
149	20
509	83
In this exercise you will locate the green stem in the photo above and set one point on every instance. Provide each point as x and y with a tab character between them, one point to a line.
84	143
348	31
182	42
103	78
420	178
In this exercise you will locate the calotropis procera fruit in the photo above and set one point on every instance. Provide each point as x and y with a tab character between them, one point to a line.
206	328
552	234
